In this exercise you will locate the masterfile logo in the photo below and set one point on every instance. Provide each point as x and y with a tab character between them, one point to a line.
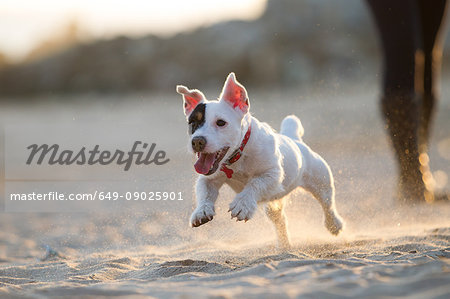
79	166
53	155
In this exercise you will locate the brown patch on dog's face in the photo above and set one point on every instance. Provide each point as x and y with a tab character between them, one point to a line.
199	116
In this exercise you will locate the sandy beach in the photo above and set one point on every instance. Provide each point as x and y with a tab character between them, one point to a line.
147	249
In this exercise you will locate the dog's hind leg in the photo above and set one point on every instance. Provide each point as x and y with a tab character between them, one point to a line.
320	184
275	212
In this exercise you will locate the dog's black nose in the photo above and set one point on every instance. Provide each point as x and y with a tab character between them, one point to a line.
198	143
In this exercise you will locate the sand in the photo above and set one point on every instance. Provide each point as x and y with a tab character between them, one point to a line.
143	249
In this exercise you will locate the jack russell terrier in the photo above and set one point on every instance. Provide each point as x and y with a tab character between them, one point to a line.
260	165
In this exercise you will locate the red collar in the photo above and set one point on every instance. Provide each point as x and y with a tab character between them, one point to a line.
236	154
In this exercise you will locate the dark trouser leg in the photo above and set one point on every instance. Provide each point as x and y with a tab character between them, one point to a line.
401	113
432	15
400	30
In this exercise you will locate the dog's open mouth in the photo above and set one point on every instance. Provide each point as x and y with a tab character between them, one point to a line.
208	163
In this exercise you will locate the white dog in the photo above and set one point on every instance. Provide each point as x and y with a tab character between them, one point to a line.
260	165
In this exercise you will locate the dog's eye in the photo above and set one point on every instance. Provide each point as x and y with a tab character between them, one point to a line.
221	122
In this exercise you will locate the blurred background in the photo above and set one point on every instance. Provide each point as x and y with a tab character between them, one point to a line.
55	47
81	73
108	71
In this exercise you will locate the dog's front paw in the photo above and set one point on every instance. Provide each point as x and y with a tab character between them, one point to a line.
243	208
202	215
334	224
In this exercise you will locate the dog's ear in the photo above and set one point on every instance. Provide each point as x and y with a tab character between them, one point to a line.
235	94
191	98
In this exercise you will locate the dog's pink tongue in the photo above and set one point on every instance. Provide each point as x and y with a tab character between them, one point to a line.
204	162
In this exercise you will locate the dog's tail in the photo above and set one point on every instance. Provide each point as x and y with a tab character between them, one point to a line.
291	126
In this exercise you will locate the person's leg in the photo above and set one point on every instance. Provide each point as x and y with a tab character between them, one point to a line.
399	26
432	18
432	15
